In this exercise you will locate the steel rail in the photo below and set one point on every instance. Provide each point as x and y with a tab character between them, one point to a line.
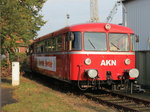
126	109
119	101
136	100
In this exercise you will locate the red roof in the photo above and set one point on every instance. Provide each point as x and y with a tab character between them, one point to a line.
21	42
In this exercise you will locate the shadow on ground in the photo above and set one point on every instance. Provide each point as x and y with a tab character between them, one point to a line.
4	80
52	83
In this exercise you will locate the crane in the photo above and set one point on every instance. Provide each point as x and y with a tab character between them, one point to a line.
94	18
113	12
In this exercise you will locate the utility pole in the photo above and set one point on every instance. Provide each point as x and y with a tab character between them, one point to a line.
124	14
94	18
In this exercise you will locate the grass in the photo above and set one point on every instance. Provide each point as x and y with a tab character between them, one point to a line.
34	97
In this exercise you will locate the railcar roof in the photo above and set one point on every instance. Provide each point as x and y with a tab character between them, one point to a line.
89	27
100	27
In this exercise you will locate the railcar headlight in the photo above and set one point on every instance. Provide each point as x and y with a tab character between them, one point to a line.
134	73
127	61
92	73
107	26
87	61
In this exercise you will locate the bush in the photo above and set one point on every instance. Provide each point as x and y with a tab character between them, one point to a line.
3	63
19	57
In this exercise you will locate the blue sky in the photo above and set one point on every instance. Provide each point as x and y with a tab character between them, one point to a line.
54	12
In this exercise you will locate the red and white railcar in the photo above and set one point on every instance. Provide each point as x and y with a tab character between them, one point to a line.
92	54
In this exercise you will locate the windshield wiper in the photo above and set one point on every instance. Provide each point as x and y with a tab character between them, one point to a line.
115	46
92	44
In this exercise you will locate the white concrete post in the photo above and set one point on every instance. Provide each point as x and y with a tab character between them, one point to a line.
15	73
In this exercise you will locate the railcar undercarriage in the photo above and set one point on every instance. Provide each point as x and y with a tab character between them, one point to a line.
118	85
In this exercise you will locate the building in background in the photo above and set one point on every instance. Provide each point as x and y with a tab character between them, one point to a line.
138	18
22	47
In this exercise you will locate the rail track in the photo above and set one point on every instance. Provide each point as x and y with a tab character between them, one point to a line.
119	101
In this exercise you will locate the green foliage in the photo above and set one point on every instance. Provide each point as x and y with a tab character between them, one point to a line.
3	63
20	57
19	21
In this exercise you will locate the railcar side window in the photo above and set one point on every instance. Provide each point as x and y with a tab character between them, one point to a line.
59	43
95	41
118	42
46	45
49	45
39	47
75	40
53	44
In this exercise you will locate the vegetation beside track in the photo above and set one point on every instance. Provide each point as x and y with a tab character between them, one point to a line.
34	97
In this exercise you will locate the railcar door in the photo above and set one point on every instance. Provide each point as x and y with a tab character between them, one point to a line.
66	58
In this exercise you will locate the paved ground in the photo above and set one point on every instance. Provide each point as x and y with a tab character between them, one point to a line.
6	96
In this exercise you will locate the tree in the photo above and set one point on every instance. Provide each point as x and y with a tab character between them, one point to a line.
19	21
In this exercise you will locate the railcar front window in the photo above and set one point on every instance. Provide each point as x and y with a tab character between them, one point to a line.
95	41
118	42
